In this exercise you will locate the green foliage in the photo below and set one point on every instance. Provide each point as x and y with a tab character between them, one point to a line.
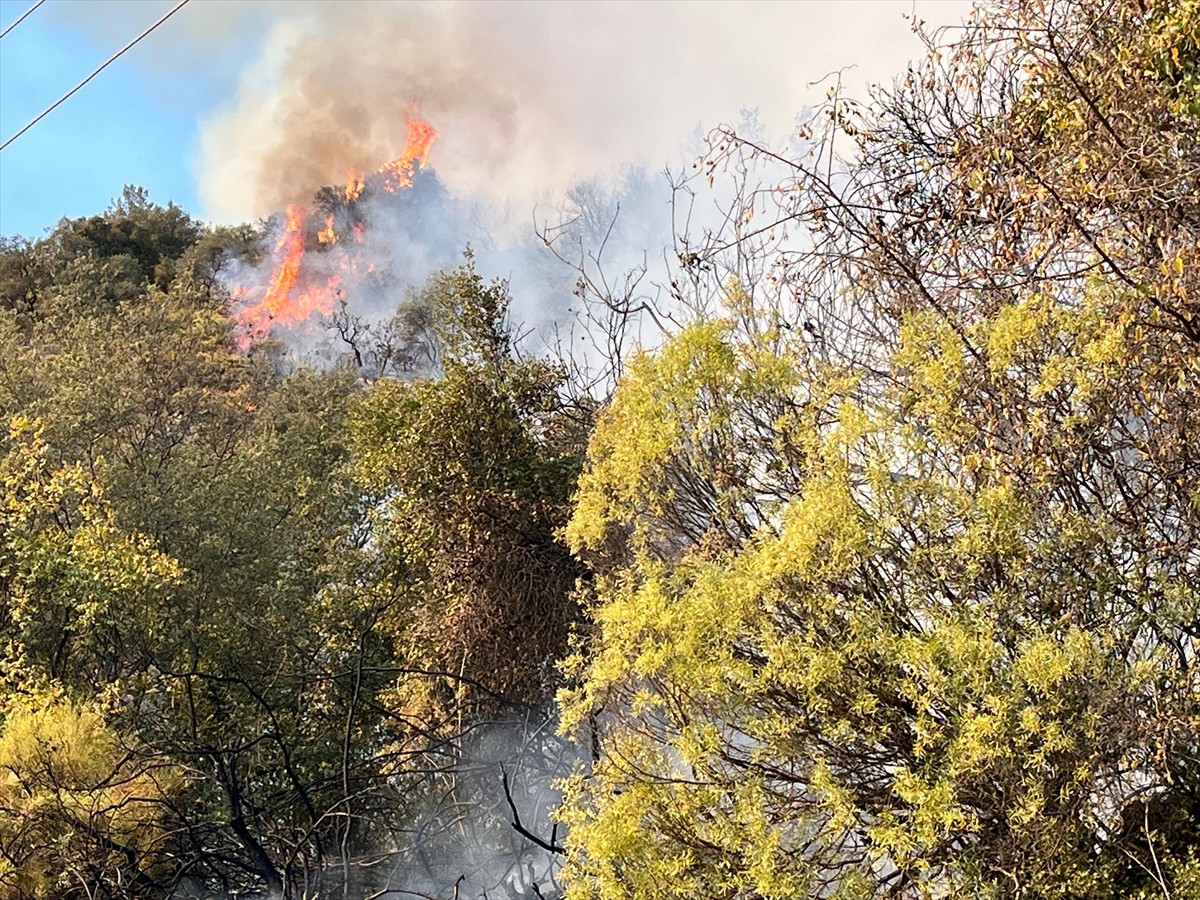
150	237
77	589
472	474
174	514
197	575
86	267
879	579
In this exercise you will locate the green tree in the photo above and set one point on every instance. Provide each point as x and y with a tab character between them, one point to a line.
195	568
175	513
472	474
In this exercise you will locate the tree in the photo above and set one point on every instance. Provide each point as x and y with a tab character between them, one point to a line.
82	817
469	472
174	514
98	260
935	631
473	473
199	577
76	587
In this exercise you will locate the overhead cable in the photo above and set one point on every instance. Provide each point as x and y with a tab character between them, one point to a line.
21	18
49	109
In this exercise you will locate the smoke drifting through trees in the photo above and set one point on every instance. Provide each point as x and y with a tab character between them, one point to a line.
877	577
538	121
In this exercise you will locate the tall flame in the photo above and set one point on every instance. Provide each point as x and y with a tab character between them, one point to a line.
399	173
289	254
293	294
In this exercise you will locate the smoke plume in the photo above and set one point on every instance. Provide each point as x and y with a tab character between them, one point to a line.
529	98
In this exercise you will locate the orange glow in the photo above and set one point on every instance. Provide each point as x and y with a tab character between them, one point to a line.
296	291
284	302
399	172
275	303
327	235
354	186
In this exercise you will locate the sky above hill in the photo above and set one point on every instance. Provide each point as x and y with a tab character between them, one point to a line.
230	108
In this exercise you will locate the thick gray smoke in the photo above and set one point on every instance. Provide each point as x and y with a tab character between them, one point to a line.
487	832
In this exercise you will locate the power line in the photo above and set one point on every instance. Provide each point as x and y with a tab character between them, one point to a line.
21	18
49	109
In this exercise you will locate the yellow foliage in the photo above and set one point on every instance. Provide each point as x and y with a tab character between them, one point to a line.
964	622
75	800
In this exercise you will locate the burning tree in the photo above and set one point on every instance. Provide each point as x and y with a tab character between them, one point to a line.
200	590
295	292
887	561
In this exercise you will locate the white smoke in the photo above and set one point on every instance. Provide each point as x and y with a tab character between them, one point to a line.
537	105
530	98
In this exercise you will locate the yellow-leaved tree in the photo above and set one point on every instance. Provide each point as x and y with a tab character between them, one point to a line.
79	811
897	557
81	807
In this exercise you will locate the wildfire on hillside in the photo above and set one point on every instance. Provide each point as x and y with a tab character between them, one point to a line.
296	292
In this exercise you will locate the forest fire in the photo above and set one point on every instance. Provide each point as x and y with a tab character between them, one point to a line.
399	173
297	291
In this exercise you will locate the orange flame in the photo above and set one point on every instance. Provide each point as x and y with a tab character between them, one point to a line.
293	295
289	251
399	172
354	186
327	235
288	299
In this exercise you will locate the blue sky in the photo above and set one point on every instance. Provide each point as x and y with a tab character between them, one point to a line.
136	123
